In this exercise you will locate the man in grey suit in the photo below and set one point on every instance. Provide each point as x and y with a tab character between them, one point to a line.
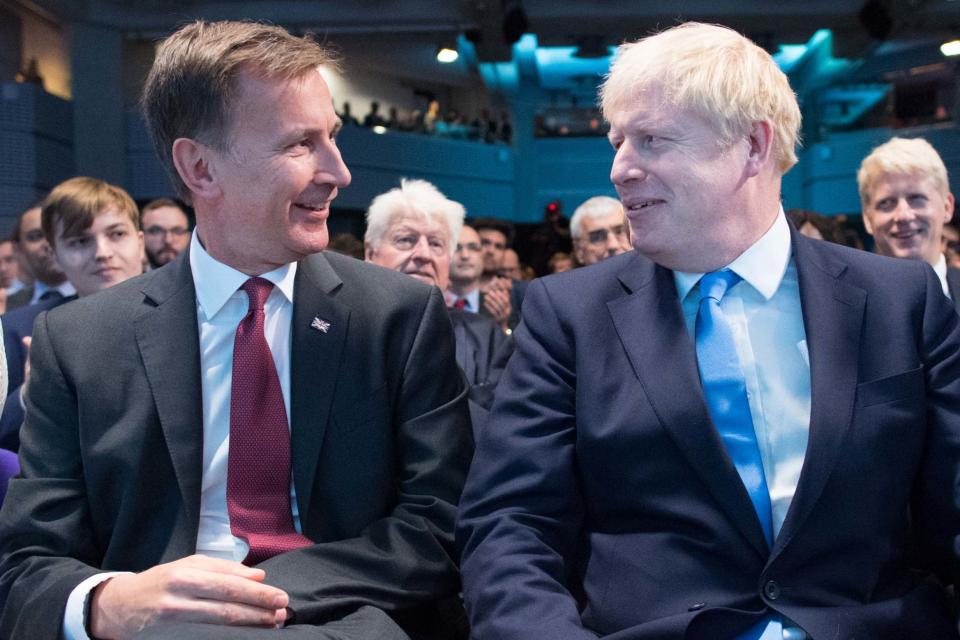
256	435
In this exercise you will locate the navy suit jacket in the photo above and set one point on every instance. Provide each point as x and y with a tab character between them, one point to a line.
601	501
17	325
953	286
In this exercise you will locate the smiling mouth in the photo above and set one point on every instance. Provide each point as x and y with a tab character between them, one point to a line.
906	235
640	205
311	206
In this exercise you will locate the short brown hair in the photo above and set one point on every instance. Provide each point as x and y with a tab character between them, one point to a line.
160	203
193	83
77	201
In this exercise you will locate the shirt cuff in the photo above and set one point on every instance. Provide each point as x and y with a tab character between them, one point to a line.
73	622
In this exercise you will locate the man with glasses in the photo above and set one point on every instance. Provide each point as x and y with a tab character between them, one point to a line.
466	269
599	230
166	231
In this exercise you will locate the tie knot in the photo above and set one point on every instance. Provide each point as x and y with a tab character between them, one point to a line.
51	294
258	290
716	283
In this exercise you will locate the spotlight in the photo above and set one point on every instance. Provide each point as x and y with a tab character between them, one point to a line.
446	55
951	48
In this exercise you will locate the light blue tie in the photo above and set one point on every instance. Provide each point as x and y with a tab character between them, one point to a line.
726	394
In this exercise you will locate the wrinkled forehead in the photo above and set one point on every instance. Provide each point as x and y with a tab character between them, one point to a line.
422	222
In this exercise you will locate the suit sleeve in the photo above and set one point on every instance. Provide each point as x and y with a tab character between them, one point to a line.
936	503
521	512
407	559
46	541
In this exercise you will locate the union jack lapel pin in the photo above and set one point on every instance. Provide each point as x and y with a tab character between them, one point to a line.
320	325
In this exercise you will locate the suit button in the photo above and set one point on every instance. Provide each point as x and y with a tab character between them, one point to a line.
772	590
696	606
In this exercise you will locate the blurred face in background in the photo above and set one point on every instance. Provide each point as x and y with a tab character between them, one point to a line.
602	237
108	252
418	245
494	243
510	266
8	264
905	214
36	252
166	232
467	265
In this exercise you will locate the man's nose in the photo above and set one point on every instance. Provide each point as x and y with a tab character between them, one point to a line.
627	165
331	168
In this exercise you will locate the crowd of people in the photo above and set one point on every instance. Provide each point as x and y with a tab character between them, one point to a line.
714	421
485	127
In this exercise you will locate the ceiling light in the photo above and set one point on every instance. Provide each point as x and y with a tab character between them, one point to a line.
446	55
951	48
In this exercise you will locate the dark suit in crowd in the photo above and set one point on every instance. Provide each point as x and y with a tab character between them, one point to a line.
606	373
380	443
17	325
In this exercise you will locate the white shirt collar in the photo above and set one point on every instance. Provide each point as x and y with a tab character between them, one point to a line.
940	268
762	265
215	282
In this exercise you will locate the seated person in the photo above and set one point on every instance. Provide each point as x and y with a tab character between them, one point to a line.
94	231
411	229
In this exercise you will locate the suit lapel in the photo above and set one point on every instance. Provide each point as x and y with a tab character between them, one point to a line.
314	367
832	318
664	359
167	336
953	286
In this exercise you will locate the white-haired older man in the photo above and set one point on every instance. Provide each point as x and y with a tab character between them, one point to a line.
413	229
734	433
599	230
906	201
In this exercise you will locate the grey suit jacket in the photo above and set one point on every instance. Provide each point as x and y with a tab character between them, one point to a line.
111	445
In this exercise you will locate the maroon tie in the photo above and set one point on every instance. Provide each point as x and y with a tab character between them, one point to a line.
258	467
460	304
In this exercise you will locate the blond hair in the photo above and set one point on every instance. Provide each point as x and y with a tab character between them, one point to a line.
914	156
193	84
715	73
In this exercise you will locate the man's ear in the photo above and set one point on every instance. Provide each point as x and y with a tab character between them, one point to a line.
192	161
367	252
761	146
948	208
867	222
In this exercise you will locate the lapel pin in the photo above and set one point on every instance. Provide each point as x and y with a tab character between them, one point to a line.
320	325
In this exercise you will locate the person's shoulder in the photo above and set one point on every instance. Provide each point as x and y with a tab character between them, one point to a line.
598	278
99	309
370	285
857	264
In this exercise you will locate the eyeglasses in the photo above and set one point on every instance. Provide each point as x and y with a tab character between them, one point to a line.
472	247
599	236
499	246
157	232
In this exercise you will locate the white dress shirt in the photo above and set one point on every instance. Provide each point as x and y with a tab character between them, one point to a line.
767	324
940	268
220	308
